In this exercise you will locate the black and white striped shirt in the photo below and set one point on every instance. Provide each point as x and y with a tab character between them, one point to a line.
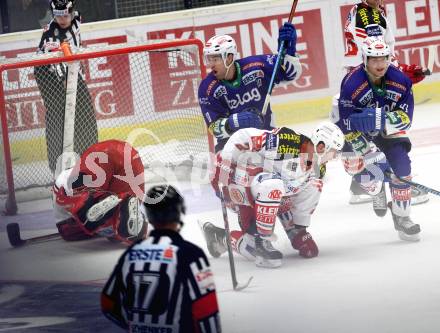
162	284
54	35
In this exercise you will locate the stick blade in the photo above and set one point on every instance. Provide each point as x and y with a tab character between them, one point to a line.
241	286
13	231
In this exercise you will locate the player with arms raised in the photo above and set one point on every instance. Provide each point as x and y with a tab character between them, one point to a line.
375	112
232	95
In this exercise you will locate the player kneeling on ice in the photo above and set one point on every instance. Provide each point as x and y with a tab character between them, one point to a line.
102	194
265	174
375	111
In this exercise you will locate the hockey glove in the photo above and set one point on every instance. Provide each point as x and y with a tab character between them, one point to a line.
245	119
367	120
287	35
414	72
304	243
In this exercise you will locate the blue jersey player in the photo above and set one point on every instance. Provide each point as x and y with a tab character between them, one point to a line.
232	95
375	112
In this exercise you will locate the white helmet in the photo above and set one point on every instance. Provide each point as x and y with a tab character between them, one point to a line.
374	47
222	45
330	134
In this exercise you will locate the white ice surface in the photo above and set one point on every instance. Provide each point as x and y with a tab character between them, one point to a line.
364	280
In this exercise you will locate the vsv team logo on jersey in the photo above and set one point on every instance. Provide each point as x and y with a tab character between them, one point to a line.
219	92
249	96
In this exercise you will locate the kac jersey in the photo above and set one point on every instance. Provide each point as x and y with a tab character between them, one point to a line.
395	97
363	21
220	99
162	284
283	153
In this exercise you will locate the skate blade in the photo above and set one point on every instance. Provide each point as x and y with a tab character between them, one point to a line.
421	199
265	263
381	212
409	238
357	199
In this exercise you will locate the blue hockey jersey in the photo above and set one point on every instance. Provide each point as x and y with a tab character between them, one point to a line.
394	96
220	99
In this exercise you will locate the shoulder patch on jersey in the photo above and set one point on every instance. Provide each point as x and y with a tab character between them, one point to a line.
205	279
395	84
210	87
271	141
253	64
219	92
359	90
271	59
168	254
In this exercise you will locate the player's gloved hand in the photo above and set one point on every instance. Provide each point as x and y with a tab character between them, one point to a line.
353	163
287	35
244	119
221	175
414	72
367	120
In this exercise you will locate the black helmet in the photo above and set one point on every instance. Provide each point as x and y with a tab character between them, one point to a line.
164	204
61	7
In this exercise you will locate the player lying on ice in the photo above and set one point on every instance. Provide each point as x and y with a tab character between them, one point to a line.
375	112
102	195
265	174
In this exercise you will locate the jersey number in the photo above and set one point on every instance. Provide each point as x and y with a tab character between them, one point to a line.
148	293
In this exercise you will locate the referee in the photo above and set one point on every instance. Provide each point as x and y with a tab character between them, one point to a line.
164	283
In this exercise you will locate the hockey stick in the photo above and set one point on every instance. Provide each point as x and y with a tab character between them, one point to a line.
431	58
413	184
70	109
235	284
13	231
277	64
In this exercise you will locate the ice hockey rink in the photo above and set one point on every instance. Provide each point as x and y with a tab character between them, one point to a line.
364	280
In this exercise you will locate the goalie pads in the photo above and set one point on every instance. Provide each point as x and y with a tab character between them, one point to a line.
71	231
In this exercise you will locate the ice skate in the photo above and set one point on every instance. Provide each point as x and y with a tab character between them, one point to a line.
131	219
215	239
357	194
406	228
380	202
265	254
98	211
